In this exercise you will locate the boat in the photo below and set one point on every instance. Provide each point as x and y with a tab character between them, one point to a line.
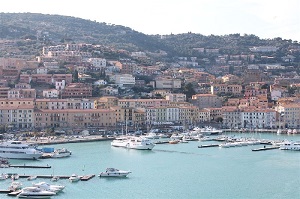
294	131
48	187
31	177
3	176
61	153
287	145
140	143
4	163
55	178
151	135
173	141
210	131
120	141
162	135
35	192
18	150
74	178
14	186
289	131
14	177
112	172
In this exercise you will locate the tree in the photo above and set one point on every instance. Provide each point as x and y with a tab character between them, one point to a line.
75	76
188	90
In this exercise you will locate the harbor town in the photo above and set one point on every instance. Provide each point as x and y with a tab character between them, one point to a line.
98	110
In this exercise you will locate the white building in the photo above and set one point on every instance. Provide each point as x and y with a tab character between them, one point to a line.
41	70
176	97
259	118
51	93
172	114
97	62
80	104
125	80
100	82
60	85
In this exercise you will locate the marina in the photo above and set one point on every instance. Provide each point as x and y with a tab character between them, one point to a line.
209	169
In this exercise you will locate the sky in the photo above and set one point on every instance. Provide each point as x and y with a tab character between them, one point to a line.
264	18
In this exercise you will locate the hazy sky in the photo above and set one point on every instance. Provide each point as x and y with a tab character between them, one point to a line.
264	18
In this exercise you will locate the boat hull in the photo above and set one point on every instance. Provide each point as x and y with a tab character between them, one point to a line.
33	156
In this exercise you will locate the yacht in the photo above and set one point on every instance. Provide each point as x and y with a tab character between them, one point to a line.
120	141
140	143
61	153
74	178
112	172
293	146
3	176
151	135
4	163
210	131
47	187
35	192
18	150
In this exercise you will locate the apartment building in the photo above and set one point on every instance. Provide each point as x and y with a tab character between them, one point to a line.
19	116
206	101
226	89
166	83
77	90
142	103
74	118
52	104
291	115
21	93
176	97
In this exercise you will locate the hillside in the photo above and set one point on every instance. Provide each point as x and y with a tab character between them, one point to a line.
72	29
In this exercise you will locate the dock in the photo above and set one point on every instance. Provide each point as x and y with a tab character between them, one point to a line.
87	177
161	142
14	193
46	176
30	166
208	145
5	191
266	148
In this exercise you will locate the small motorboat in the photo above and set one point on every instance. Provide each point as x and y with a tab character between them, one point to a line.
112	172
61	153
31	177
47	187
14	186
3	176
74	178
35	192
55	178
14	177
173	141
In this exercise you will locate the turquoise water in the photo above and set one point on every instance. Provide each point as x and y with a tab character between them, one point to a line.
174	171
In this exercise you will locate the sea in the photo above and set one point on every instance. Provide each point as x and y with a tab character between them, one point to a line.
173	171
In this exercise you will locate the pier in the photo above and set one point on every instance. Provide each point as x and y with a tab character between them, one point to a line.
266	148
209	145
87	177
30	166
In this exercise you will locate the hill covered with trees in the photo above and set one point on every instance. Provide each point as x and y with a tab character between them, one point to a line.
56	28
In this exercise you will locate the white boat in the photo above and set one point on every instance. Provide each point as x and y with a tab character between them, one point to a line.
14	186
61	153
112	172
18	150
279	131
151	135
4	163
31	177
3	176
294	131
34	192
14	177
210	131
55	178
289	131
74	178
287	145
120	141
140	143
47	187
162	135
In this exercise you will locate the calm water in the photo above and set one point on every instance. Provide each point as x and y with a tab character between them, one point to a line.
174	171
